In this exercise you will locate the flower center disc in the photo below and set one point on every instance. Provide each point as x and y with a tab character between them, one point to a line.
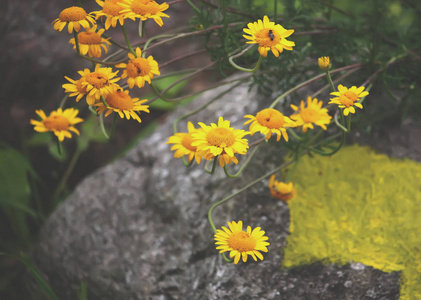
220	137
111	7
72	14
143	7
352	96
56	123
310	115
98	80
270	118
138	67
263	38
89	38
119	100
241	241
345	100
187	140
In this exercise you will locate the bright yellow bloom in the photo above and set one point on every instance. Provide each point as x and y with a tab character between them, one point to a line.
269	36
241	243
91	42
60	122
144	9
281	190
120	102
324	63
221	140
269	121
139	69
348	98
99	83
75	87
311	114
183	144
111	10
95	84
74	17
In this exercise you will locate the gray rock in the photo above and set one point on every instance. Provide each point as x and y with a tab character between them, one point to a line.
138	229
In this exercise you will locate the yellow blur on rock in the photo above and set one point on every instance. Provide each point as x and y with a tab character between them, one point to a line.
358	206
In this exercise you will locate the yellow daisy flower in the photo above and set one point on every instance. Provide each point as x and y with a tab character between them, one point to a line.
91	42
269	36
75	87
74	17
111	10
144	9
120	102
183	144
312	114
221	140
241	243
60	122
139	69
269	121
348	98
281	190
99	83
324	63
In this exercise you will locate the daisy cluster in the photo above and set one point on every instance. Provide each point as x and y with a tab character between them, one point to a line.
100	86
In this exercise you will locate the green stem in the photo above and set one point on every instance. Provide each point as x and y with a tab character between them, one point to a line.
75	34
127	40
59	146
157	37
342	119
101	124
202	107
275	10
114	125
66	174
194	7
310	81
256	67
188	165
212	224
296	136
330	81
215	159
242	167
141	29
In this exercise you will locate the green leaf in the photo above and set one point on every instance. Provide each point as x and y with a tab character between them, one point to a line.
42	284
15	190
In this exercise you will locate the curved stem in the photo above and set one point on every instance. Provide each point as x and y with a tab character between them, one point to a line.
161	94
296	136
215	159
101	124
256	67
337	122
188	165
243	166
245	188
202	107
310	81
201	91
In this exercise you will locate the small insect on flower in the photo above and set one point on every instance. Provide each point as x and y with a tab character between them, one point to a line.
271	36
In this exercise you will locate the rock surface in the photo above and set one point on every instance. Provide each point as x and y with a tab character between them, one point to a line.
138	229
